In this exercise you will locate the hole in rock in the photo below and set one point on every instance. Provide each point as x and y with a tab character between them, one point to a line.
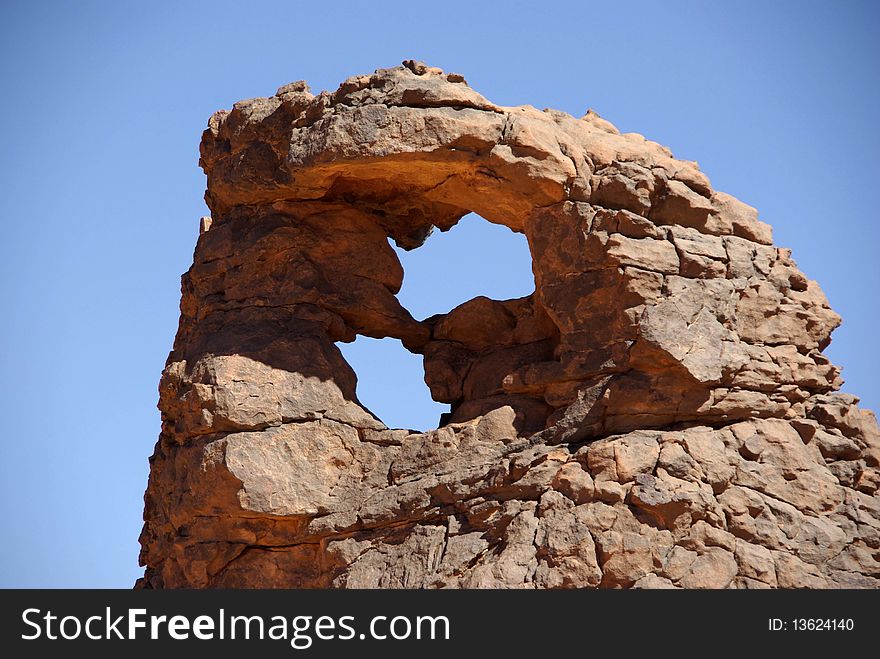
391	383
474	258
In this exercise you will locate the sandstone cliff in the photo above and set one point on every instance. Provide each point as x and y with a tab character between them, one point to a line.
658	413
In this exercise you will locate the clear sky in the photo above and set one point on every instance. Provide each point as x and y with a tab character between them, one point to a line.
103	104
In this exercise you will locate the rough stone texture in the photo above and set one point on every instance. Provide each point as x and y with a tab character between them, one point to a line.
657	414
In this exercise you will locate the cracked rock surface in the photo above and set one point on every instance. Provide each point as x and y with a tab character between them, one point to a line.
657	414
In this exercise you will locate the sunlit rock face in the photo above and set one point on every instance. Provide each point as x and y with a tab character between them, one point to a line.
658	413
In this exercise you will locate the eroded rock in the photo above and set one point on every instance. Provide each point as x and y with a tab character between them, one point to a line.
657	414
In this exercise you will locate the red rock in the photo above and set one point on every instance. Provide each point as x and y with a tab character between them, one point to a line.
657	414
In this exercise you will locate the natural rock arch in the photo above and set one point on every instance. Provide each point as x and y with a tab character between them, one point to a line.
662	313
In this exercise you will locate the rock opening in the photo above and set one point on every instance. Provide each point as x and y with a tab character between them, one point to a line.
475	258
391	383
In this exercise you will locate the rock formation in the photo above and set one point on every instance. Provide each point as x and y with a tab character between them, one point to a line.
658	413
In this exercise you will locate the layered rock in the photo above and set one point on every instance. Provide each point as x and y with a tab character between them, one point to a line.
658	413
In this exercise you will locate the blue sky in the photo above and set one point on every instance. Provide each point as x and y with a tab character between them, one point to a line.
103	104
